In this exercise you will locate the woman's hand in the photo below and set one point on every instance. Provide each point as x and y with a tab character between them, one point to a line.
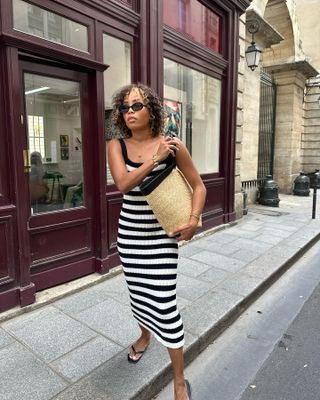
186	231
168	145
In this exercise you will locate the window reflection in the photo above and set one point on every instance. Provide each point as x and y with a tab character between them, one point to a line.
192	104
195	20
39	22
54	140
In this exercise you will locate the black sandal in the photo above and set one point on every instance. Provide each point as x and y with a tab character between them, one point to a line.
136	353
188	387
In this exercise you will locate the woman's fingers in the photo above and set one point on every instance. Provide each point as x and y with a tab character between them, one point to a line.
184	232
167	146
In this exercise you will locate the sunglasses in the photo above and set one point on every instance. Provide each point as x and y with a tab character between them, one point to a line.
124	108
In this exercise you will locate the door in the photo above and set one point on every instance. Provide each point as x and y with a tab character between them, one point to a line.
58	173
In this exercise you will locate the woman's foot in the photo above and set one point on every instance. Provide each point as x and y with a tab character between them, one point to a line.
180	392
138	348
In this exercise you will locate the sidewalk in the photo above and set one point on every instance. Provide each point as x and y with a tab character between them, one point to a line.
75	348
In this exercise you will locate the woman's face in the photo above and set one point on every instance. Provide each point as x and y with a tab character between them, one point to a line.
136	120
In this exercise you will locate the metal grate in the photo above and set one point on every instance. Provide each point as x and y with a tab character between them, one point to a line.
266	125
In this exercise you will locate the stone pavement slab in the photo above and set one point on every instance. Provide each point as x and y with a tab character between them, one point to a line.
86	358
191	288
75	347
218	260
49	333
192	268
113	320
5	339
214	275
23	376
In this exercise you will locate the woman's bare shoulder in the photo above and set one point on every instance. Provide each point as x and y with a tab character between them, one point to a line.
113	143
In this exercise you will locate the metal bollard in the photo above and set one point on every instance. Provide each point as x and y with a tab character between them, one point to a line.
316	185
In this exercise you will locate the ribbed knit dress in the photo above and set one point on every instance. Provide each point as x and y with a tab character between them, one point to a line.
149	258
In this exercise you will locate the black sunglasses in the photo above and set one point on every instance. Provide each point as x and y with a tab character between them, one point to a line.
124	108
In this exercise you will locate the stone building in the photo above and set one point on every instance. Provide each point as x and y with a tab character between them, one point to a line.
278	109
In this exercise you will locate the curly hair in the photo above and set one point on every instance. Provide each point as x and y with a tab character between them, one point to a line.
150	99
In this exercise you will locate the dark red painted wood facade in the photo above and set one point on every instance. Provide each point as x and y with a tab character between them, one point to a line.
41	251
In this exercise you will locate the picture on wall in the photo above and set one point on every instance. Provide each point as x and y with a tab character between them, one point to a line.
64	140
173	117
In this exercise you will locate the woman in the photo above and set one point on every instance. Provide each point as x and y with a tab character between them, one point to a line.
149	256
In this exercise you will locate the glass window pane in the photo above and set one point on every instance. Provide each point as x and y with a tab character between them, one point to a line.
194	20
192	104
37	21
117	54
54	137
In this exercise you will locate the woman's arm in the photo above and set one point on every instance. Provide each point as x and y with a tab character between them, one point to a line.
124	180
186	166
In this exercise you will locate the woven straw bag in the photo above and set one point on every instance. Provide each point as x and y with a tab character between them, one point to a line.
170	198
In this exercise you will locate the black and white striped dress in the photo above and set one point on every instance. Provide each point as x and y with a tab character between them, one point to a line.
149	258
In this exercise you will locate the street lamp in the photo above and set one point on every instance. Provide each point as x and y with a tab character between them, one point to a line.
253	52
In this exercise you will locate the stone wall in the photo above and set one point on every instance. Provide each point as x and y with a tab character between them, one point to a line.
308	14
310	143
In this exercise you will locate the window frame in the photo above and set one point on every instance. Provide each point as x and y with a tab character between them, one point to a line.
219	14
30	41
126	34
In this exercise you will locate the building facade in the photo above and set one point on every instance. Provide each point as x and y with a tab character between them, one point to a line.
278	109
60	63
308	14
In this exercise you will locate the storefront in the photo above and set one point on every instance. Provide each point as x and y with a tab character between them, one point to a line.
60	63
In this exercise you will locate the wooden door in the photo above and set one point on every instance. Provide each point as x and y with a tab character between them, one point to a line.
58	173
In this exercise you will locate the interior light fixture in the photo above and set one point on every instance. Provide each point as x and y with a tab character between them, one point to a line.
36	90
77	100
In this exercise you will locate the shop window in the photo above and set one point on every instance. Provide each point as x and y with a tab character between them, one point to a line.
39	22
193	19
192	103
116	54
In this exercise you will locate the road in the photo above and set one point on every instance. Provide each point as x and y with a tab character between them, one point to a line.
272	351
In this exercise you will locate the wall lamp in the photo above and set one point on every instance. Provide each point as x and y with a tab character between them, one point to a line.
253	52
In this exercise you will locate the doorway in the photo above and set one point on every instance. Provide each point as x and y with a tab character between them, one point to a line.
58	174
